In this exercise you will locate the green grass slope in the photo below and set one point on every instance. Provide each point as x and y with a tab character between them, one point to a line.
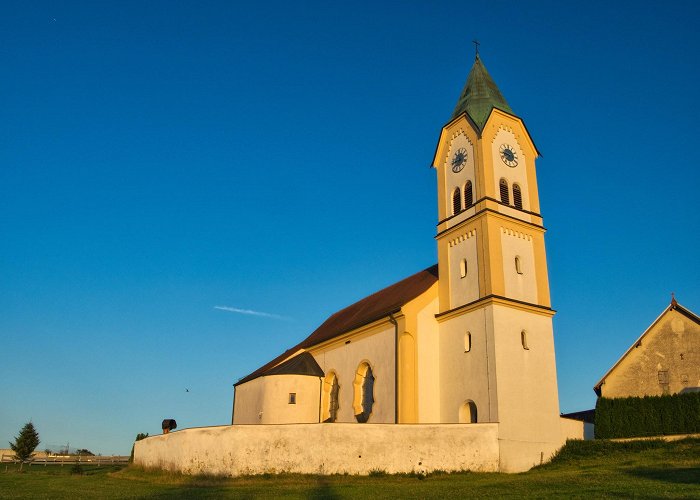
583	469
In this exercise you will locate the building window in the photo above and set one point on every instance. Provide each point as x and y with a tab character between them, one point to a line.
467	342
663	377
333	390
463	268
467	412
505	197
364	393
518	265
517	197
523	340
456	202
292	398
468	195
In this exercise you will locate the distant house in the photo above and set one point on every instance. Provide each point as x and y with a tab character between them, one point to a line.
664	360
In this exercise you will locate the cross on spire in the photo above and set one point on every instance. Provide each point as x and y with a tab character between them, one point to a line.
476	47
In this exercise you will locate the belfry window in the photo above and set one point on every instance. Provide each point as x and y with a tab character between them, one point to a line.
517	197
456	202
523	339
505	196
468	195
467	342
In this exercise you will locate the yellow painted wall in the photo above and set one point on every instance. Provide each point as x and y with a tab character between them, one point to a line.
375	345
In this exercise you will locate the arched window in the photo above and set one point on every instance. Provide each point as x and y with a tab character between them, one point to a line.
505	196
517	197
364	393
467	412
331	391
523	339
463	268
467	342
456	202
518	265
468	195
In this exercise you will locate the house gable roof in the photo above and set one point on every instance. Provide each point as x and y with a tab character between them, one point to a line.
674	306
372	308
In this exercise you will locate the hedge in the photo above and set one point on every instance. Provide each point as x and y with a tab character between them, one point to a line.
647	416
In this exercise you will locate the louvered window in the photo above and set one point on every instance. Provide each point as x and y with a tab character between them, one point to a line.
456	202
468	195
517	197
505	197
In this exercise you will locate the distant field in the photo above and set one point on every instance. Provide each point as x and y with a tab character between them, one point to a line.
646	469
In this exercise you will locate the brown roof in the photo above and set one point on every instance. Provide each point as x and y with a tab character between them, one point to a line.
371	308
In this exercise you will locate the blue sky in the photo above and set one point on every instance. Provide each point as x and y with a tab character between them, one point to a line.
160	159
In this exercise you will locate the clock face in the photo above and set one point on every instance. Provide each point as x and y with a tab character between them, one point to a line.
459	160
508	155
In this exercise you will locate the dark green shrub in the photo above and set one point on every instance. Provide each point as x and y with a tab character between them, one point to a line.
647	416
139	437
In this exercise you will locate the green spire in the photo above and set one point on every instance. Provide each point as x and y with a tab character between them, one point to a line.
479	96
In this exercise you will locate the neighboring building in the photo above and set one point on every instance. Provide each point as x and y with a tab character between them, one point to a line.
664	360
468	340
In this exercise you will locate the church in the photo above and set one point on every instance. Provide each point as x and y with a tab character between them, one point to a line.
468	340
449	369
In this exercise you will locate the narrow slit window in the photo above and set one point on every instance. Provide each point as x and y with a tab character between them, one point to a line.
292	398
523	339
468	195
467	342
517	197
463	268
456	202
505	196
518	266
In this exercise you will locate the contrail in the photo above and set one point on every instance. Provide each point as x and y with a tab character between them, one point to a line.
252	313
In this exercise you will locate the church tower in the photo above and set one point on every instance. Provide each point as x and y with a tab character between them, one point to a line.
495	318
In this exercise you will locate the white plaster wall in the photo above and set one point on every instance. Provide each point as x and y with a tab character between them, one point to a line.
377	347
265	400
428	360
322	449
519	286
248	402
528	403
466	375
517	174
463	290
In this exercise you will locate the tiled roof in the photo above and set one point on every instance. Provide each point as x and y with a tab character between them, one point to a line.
372	308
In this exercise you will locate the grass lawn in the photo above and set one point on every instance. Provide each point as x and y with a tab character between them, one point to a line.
641	469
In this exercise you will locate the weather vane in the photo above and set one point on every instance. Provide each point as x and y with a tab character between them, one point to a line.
476	47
